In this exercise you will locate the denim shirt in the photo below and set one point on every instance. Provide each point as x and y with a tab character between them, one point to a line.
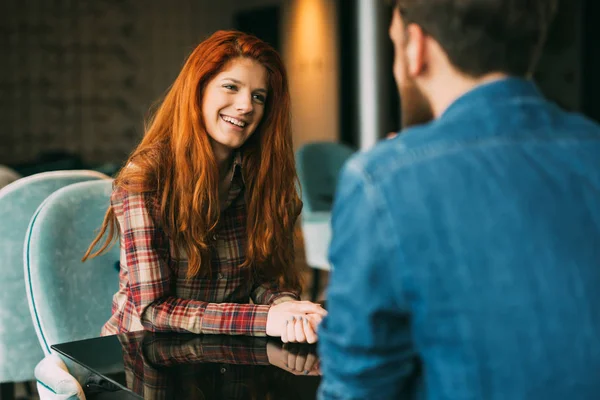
466	257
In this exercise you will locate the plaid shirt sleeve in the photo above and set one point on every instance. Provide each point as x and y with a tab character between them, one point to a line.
146	249
271	294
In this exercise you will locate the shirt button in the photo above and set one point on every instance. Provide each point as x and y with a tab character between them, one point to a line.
220	276
223	370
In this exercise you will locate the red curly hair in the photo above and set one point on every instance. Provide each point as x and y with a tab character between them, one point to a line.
175	164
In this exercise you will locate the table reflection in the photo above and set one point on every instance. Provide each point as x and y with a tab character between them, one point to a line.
165	366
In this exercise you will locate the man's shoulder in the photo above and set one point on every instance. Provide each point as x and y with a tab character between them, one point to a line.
391	156
422	145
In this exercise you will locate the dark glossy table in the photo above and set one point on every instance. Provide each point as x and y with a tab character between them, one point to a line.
178	366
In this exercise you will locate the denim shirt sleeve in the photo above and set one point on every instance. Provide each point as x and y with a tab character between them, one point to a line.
364	342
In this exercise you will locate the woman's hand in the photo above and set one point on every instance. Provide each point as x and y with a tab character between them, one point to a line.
295	321
301	329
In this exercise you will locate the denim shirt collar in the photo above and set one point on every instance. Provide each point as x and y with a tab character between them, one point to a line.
494	93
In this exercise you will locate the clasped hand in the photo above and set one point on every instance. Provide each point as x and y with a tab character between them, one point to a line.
295	321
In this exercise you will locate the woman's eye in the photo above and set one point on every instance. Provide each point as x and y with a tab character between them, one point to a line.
230	87
259	97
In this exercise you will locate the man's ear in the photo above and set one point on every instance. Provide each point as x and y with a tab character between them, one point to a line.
415	49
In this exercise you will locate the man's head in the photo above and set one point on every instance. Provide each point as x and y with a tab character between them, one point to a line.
444	44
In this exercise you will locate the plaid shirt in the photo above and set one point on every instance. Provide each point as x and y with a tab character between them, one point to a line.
154	293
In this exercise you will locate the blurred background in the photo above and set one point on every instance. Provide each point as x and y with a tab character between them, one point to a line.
77	77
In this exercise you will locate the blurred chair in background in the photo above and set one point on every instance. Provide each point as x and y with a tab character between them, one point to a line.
60	160
51	161
318	166
7	175
108	168
69	300
19	349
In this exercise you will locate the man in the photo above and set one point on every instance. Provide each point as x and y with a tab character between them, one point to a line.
466	251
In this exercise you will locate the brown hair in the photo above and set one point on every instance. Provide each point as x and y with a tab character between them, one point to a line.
175	164
484	36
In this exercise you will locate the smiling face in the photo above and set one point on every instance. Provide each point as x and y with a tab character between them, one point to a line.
234	104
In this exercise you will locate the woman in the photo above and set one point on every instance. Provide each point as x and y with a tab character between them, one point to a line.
207	202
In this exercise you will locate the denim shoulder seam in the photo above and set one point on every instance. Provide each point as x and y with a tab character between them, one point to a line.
411	156
492	104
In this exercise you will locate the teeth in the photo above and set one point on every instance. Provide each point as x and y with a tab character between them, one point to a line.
234	121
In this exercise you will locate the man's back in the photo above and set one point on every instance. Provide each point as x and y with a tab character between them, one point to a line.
482	243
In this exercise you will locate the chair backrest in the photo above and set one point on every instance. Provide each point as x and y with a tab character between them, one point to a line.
318	166
19	350
69	300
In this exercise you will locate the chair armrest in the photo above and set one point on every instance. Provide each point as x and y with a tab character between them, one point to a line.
316	229
55	382
316	217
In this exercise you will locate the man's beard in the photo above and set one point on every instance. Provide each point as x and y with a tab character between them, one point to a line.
416	108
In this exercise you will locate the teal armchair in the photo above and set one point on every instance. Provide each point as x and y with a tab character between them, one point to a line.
7	176
69	300
19	349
